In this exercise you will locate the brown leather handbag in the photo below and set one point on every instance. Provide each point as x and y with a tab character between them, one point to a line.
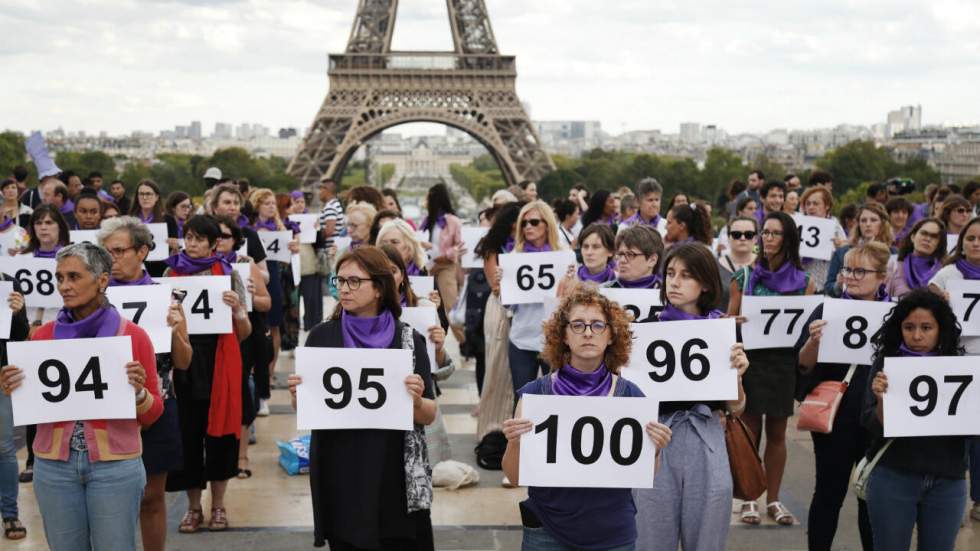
748	474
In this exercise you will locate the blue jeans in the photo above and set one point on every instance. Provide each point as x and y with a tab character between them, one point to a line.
974	447
899	501
88	506
8	460
525	366
540	539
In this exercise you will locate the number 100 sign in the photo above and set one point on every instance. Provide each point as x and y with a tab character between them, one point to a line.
352	388
932	396
587	442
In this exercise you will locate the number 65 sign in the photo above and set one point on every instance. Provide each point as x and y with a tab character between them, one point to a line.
529	278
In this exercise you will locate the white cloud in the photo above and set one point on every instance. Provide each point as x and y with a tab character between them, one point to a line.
130	64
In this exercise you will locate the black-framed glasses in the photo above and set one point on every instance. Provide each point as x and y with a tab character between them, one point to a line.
119	251
856	273
534	222
628	256
353	282
772	233
740	235
578	327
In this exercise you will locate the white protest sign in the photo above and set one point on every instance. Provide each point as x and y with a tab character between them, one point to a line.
816	236
964	294
684	360
295	267
244	270
308	224
342	244
87	236
775	321
422	285
10	240
932	396
33	278
529	277
587	442
146	306
643	304
206	311
72	380
952	239
471	238
6	314
276	245
421	318
846	338
160	250
353	388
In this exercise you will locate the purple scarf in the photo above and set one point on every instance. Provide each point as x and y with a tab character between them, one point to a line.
786	279
242	220
906	351
68	207
269	224
569	381
637	219
509	245
412	269
38	253
371	332
670	313
355	243
104	322
969	271
440	221
530	248
180	228
607	274
147	220
881	295
6	224
183	264
651	281
291	226
144	279
918	270
231	256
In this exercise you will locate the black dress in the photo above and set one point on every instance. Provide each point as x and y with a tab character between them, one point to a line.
357	477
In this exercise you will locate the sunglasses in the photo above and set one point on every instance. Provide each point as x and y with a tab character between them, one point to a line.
534	222
740	235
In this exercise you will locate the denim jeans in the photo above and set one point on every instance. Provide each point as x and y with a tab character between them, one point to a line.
525	366
974	447
8	460
540	539
89	506
899	501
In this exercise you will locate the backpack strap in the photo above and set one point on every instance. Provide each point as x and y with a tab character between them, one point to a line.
612	387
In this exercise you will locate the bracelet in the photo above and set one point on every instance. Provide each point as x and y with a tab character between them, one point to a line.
141	396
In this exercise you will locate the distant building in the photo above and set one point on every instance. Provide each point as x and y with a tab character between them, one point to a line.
690	132
222	131
194	132
907	117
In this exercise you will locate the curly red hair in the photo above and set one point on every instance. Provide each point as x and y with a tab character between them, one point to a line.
556	352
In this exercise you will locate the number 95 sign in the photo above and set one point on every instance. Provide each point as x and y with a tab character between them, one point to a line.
530	278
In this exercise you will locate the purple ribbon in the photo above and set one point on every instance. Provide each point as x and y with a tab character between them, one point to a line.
569	381
412	269
531	248
242	221
147	220
651	281
183	264
6	224
906	351
881	295
68	207
637	219
440	221
104	322
269	224
509	244
367	332
47	254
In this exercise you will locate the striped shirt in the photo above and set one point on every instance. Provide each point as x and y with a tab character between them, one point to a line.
333	210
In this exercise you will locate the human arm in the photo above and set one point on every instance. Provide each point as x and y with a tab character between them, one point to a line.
180	343
492	272
261	300
513	429
419	384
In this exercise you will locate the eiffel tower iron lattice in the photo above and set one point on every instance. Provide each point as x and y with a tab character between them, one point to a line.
373	88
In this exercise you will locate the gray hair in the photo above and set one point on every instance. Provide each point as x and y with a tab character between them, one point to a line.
139	234
647	186
96	259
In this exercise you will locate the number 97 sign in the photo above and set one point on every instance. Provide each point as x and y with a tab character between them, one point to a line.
529	278
932	396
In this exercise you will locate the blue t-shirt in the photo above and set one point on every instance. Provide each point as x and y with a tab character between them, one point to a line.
585	518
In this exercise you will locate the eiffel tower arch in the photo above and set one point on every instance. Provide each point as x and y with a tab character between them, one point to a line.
372	88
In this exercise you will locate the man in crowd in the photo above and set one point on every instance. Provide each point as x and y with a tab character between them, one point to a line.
821	178
773	194
61	201
73	182
972	193
212	177
754	183
88	211
117	190
877	193
649	194
332	220
792	182
20	175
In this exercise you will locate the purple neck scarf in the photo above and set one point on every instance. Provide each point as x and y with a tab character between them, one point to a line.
969	271
231	256
369	332
144	279
651	281
607	274
269	224
569	381
670	313
291	226
38	253
355	243
906	351
530	248
6	224
180	228
148	219
412	269
637	219
881	295
786	279
183	264
440	221
918	270
104	322
68	207
509	245
242	220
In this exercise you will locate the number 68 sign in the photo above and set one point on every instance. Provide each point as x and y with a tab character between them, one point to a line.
72	380
529	278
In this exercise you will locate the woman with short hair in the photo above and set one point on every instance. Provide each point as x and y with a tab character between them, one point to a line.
639	250
920	257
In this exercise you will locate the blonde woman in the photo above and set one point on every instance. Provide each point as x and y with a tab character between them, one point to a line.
402	237
359	217
872	225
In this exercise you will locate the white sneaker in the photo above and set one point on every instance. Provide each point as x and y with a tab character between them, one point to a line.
506	483
263	408
975	511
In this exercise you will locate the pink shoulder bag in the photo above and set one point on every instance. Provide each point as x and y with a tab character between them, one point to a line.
819	408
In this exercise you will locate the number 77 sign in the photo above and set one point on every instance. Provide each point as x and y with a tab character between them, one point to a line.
529	278
775	322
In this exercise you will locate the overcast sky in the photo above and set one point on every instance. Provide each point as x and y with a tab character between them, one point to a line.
746	65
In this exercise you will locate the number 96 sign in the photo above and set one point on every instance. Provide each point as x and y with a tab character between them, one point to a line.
530	278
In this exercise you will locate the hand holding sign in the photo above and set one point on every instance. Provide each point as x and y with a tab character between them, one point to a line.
529	277
929	396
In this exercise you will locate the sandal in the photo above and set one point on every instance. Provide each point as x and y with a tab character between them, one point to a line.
27	475
779	513
750	513
219	519
191	522
13	529
243	473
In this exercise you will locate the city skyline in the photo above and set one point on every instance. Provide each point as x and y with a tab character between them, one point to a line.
128	65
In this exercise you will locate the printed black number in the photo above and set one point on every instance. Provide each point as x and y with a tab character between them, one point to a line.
964	381
274	246
797	313
543	274
855	336
366	384
45	282
687	360
597	440
667	363
814	240
344	389
651	314
969	310
550	427
636	441
62	381
932	393
140	307
772	317
22	281
773	313
524	279
202	305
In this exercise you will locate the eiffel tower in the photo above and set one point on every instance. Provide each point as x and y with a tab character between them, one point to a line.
373	88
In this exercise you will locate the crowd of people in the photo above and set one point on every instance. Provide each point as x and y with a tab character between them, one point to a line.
197	403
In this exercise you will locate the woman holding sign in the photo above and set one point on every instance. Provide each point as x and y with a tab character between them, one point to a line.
920	257
691	500
837	452
818	201
209	392
918	482
371	465
872	225
587	342
89	478
963	264
770	386
638	253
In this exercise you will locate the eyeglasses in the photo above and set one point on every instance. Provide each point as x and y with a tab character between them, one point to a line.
771	233
578	327
961	210
226	236
119	251
857	273
928	235
353	283
740	235
628	256
534	222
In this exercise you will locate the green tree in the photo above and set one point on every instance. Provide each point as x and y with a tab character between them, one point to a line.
856	162
12	152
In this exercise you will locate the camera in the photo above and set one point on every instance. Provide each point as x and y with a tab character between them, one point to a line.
900	186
